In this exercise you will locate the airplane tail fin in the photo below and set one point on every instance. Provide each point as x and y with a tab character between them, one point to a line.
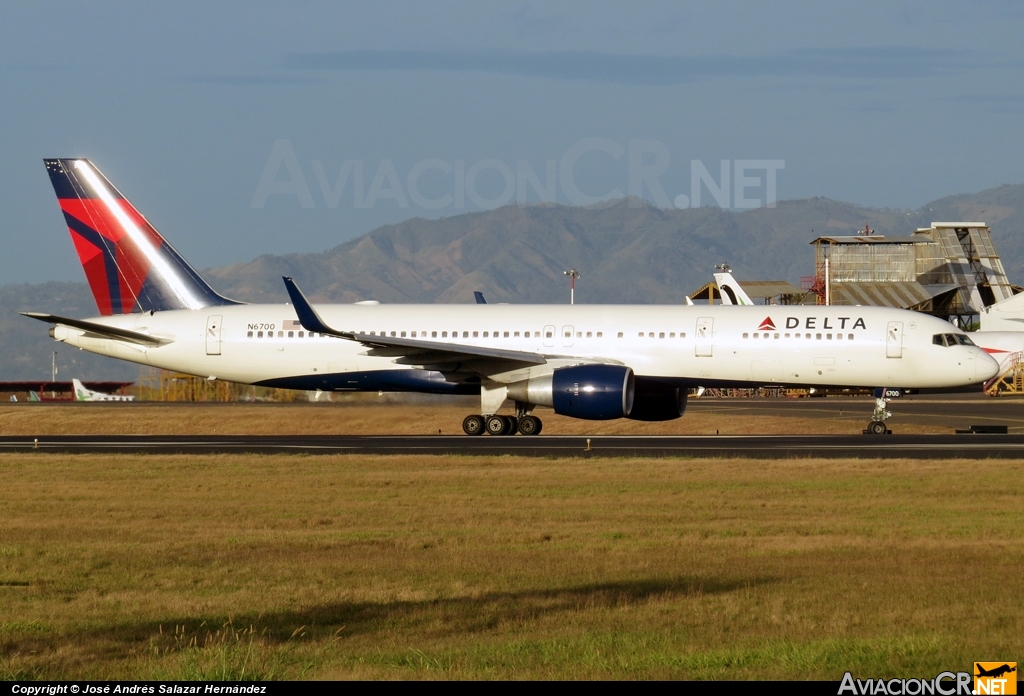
81	393
130	267
732	293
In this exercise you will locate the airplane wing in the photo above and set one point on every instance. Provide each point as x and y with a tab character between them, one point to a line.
101	330
441	356
411	351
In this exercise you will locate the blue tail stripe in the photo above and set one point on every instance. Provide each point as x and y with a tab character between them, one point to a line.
109	250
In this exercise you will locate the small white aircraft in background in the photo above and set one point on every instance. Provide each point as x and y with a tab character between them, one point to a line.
83	394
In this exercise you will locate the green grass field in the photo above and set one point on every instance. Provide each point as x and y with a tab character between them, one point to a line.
174	567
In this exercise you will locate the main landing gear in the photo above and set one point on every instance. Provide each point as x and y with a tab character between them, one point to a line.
501	425
877	425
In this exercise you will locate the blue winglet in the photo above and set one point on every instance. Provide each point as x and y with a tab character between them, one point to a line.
308	317
479	297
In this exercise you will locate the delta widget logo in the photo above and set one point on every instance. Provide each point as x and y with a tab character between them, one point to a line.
767	325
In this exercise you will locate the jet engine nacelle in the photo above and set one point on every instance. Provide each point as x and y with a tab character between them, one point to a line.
590	392
655	401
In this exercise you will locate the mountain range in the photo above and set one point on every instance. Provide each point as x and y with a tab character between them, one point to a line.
627	252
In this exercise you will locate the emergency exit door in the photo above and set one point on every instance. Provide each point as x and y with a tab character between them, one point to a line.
705	331
894	340
213	334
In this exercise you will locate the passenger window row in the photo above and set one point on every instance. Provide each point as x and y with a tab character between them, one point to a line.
486	334
817	336
431	334
280	334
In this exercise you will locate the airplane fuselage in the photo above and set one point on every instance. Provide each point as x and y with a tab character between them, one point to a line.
695	345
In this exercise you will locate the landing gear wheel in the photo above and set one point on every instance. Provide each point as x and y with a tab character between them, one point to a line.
529	425
877	428
473	425
497	425
513	425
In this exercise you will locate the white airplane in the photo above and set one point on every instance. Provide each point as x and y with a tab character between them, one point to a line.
729	288
83	394
1001	334
584	361
1006	316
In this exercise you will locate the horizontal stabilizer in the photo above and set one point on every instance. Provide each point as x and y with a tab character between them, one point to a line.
113	333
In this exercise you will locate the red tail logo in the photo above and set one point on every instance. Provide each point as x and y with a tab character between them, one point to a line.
129	266
767	325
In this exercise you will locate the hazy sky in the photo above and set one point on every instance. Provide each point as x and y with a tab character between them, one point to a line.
247	128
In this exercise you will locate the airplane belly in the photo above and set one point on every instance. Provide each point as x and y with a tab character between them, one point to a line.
767	370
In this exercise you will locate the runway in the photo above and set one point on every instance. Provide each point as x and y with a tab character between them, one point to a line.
953	411
754	446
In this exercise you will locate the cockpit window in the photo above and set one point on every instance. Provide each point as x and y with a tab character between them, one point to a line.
952	340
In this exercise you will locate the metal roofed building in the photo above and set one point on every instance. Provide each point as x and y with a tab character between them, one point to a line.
950	270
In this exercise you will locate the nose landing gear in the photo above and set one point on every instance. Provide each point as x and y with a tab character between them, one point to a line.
878	417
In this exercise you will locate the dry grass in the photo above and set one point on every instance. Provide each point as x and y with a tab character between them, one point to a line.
424	567
368	418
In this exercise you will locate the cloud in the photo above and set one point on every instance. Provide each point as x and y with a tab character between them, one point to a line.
844	63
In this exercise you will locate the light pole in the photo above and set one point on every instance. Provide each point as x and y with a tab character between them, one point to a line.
573	275
53	374
828	280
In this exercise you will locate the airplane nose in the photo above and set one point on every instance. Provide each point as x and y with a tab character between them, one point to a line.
985	366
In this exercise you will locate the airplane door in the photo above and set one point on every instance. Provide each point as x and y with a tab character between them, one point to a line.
567	332
705	331
894	340
549	335
213	334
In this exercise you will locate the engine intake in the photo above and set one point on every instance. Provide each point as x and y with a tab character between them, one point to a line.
589	392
